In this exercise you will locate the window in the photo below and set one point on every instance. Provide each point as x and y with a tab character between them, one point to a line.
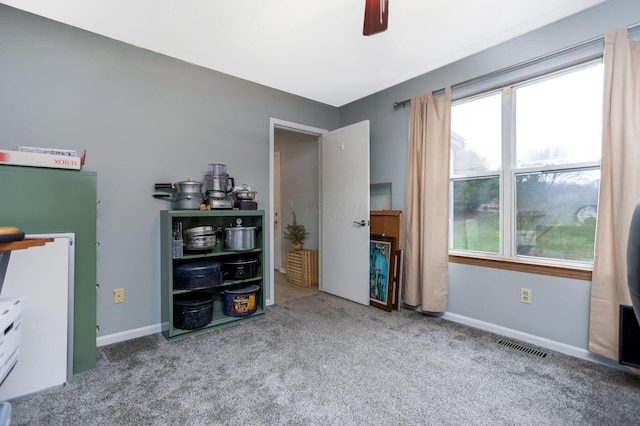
525	168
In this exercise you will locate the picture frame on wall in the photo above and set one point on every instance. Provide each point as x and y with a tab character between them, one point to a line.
381	271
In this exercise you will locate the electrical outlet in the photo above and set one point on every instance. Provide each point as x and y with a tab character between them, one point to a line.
118	295
290	204
525	295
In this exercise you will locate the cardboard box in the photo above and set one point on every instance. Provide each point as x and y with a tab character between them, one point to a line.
35	159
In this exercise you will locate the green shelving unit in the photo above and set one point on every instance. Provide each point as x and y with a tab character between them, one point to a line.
218	219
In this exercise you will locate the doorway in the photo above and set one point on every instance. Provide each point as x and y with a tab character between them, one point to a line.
341	205
295	189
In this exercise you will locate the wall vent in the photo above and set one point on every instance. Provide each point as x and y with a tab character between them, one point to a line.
522	348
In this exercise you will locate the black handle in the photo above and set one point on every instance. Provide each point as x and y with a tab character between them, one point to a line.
161	186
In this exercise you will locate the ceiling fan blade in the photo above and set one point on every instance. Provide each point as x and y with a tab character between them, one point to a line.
376	16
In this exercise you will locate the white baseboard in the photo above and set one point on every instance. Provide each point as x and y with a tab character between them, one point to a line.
131	334
534	340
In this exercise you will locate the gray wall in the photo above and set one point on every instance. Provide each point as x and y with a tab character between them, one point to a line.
486	294
299	177
143	118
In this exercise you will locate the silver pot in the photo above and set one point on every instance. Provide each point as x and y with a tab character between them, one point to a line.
179	201
184	187
188	187
245	193
198	231
200	242
240	238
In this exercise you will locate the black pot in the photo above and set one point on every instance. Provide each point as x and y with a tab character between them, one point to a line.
245	205
240	269
192	310
197	275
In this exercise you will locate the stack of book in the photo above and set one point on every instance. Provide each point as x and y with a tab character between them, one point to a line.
43	157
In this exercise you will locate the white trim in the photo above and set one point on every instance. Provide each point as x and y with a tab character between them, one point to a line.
131	334
534	340
275	123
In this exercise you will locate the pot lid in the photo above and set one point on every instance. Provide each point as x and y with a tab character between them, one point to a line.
189	182
240	261
249	289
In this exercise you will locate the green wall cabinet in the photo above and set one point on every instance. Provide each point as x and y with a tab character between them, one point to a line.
170	220
40	201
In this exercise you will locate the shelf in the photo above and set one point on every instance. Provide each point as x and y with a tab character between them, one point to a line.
24	244
226	283
216	218
217	212
217	322
217	254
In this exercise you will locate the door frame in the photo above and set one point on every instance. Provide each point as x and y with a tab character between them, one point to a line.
275	123
277	238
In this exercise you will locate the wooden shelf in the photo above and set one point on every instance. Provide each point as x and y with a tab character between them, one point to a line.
24	244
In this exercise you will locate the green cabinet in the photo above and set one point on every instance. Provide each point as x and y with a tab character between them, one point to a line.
40	201
170	220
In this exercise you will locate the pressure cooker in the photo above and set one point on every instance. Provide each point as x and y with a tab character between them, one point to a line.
240	238
183	201
185	195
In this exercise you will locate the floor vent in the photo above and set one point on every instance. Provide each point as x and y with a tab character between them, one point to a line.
522	348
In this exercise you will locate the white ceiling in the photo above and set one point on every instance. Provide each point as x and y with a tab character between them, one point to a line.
311	48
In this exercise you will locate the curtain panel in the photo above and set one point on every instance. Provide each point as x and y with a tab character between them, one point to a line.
427	250
619	190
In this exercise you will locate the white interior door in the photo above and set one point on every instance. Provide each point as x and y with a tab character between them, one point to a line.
277	234
345	212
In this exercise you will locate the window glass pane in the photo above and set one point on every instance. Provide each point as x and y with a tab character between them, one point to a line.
556	214
559	120
476	208
476	135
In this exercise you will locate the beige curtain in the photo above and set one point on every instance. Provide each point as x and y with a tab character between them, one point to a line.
619	190
426	251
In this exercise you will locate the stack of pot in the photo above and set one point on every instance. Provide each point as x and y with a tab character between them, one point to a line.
245	198
200	237
185	195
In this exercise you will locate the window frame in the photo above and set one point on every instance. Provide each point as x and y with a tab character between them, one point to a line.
507	257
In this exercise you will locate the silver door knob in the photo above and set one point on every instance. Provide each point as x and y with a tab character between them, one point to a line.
361	223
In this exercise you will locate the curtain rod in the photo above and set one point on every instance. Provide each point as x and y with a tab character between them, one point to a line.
399	104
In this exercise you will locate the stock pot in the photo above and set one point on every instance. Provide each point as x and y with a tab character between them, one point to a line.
240	238
200	238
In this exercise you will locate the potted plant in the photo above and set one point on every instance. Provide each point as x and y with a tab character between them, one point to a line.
295	232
